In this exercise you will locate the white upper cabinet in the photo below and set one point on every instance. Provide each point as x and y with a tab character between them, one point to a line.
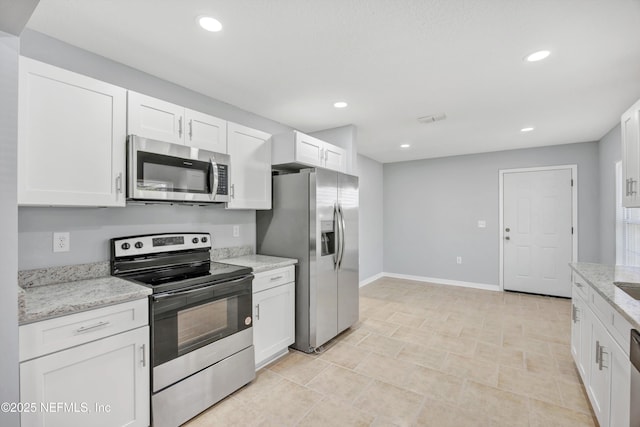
295	149
250	183
205	131
630	124
71	138
154	118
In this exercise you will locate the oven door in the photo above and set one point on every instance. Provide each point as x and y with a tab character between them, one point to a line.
163	171
195	328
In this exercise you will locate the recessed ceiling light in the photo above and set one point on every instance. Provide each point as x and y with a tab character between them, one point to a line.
340	104
528	129
405	146
209	23
537	56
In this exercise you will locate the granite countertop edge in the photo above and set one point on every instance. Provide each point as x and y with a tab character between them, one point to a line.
602	279
47	302
260	263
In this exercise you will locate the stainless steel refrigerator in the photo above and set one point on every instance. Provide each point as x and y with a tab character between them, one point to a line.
315	219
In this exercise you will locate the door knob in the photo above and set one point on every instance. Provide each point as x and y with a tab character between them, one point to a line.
507	238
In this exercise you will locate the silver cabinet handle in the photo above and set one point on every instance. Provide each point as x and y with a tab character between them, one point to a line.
180	127
598	354
257	311
119	183
626	190
573	313
190	129
600	359
143	355
632	183
326	155
276	278
84	329
233	191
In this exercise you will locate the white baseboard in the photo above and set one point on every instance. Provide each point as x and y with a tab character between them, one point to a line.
441	281
371	279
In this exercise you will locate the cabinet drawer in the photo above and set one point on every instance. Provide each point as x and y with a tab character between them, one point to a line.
621	331
48	336
601	308
580	286
269	279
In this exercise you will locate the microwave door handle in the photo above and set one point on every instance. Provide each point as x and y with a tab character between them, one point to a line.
213	179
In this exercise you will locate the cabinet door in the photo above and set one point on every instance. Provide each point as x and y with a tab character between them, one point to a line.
630	124
205	131
575	333
102	383
153	118
335	158
599	386
274	326
620	387
308	150
250	152
71	138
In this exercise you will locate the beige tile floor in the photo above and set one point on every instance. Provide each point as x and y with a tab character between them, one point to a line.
425	355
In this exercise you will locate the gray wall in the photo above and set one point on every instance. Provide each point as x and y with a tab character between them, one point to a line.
345	137
91	228
9	382
371	220
610	152
431	209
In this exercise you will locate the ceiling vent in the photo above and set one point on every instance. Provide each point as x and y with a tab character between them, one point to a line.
432	118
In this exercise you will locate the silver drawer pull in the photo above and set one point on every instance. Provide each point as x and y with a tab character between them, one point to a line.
84	329
276	278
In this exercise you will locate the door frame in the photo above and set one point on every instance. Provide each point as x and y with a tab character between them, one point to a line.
574	209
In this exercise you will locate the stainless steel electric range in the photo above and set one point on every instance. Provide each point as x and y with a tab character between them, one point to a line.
200	316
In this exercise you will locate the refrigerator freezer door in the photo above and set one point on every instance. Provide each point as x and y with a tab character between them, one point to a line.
323	284
348	280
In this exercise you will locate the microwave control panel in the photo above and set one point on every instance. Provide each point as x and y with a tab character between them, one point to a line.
223	179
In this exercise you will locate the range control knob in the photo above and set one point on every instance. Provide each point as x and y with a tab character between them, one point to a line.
125	246
204	239
139	245
194	240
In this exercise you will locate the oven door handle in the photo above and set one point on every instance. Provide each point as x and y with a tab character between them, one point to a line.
213	179
164	295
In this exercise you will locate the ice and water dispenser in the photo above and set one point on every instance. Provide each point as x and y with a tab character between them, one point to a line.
327	238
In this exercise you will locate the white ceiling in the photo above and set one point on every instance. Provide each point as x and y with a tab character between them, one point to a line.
392	61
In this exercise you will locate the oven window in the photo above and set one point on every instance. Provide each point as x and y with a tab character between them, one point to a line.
157	172
184	322
204	322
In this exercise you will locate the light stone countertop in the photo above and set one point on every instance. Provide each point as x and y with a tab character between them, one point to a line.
260	263
602	278
45	302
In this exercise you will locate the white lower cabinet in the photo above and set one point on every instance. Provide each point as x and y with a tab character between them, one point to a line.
274	314
602	362
102	382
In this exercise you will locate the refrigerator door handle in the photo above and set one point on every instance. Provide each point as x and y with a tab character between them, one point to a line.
342	231
337	239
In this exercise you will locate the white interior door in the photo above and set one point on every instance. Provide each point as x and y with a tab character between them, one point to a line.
537	231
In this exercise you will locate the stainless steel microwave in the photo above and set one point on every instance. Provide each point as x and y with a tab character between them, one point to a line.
165	172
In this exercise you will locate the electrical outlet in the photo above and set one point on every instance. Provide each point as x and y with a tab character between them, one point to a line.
482	223
236	231
459	260
61	242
